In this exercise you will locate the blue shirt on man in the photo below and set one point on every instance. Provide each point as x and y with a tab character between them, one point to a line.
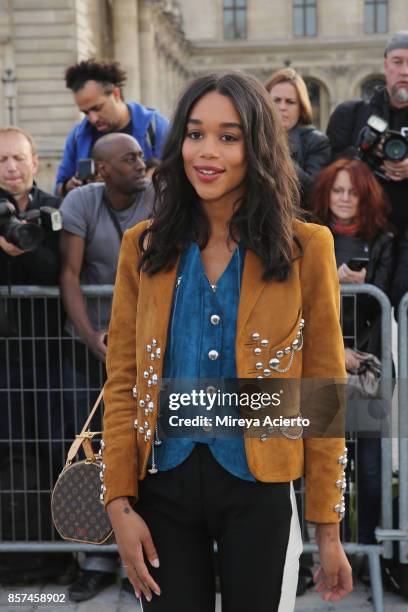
81	139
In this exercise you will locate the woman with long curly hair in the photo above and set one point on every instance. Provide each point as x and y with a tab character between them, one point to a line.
223	283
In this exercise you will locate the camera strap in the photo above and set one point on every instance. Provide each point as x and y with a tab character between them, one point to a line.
112	215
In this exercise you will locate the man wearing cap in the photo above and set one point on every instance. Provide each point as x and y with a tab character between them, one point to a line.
389	102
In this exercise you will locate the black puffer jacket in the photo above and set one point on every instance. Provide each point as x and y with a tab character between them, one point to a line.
310	151
344	129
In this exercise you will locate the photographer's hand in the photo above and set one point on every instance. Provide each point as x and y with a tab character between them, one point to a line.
10	248
396	171
72	184
352	360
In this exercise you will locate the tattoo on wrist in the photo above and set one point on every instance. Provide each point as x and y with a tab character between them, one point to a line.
126	507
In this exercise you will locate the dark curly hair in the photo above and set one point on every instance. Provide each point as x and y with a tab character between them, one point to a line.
108	74
263	222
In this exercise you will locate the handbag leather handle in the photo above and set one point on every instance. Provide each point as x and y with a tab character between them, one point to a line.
84	438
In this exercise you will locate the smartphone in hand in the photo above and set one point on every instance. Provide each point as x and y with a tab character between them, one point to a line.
358	263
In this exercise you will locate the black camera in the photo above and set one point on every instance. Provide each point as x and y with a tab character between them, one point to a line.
27	230
377	144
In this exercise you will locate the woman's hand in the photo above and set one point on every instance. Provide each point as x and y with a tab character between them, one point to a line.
352	360
349	276
334	577
133	538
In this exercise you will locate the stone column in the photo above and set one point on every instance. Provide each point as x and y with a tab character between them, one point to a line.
126	44
149	73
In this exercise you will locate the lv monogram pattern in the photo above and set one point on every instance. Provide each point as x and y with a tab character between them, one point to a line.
76	511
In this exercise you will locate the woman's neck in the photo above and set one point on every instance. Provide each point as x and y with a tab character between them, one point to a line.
345	227
343	222
219	214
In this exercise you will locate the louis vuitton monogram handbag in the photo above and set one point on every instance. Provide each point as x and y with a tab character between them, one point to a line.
77	513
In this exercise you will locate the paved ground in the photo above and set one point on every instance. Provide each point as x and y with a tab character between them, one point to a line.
113	600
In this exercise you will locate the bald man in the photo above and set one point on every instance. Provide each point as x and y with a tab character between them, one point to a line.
94	219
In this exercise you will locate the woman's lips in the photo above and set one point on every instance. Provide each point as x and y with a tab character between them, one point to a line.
208	174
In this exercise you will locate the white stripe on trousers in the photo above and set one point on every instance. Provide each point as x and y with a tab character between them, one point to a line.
291	567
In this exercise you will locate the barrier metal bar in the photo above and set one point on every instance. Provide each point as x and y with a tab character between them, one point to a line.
403	424
105	291
386	362
37	291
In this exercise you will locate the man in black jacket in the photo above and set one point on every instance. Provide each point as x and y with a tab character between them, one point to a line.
390	103
18	165
40	266
29	369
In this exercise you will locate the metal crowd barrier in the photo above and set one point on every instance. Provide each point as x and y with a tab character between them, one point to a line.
54	391
384	533
403	427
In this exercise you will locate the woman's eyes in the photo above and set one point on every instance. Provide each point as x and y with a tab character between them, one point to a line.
229	138
193	135
223	137
338	190
287	101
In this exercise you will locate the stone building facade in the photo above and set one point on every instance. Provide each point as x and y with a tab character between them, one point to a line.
337	45
40	38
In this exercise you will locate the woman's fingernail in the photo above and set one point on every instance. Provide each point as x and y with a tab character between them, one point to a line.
155	563
148	597
157	592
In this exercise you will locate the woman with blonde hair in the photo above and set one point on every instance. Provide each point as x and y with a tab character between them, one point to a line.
310	148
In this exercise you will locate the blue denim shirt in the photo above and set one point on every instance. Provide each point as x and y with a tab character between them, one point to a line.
193	333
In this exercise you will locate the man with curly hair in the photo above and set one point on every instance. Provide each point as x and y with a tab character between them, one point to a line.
97	89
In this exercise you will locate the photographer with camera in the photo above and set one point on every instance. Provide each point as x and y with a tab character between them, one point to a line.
351	137
29	374
28	255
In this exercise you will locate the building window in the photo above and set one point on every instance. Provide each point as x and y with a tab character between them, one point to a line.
235	19
375	16
367	88
304	18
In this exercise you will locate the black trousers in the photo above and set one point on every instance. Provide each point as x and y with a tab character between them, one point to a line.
189	507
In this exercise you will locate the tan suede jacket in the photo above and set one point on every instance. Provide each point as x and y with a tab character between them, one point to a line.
272	316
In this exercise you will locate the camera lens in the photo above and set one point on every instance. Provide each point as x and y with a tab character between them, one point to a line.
395	149
25	236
